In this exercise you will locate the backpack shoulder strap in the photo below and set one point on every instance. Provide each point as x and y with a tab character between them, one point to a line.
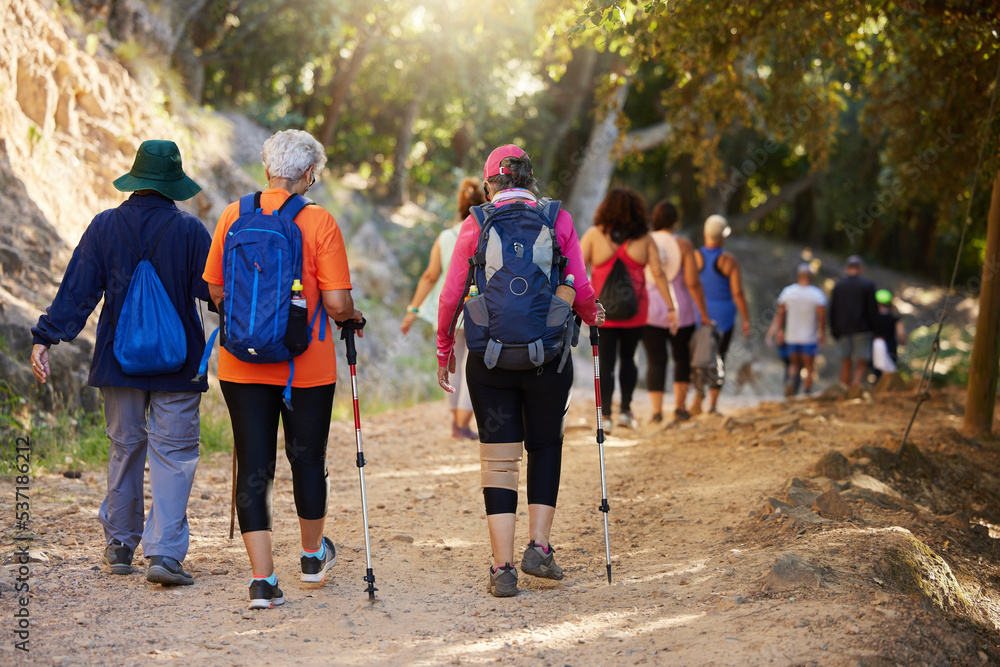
249	203
482	212
162	232
119	218
549	208
293	205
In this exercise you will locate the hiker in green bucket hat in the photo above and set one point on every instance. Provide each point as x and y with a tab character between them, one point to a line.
150	403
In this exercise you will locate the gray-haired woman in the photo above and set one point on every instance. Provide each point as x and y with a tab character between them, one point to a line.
254	391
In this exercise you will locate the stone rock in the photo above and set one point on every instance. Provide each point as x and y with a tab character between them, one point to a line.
403	538
799	496
791	571
833	464
830	505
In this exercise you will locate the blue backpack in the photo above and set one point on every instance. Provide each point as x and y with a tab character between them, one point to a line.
516	321
149	337
261	257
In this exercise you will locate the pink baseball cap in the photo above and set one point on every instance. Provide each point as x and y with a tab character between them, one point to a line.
492	167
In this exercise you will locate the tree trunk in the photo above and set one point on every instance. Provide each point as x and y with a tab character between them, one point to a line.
599	160
574	88
399	191
983	366
339	88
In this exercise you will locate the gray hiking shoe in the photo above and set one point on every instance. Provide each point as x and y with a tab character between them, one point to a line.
118	558
503	582
167	571
539	563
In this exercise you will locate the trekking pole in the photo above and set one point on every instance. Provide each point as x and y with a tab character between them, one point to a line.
347	330
605	508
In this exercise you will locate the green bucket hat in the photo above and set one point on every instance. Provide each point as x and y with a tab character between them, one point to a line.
883	296
157	167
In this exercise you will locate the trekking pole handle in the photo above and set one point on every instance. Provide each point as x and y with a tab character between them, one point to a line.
347	329
593	333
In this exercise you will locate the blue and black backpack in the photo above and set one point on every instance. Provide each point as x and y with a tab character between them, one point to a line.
261	258
516	321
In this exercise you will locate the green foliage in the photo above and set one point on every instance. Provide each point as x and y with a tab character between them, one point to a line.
952	365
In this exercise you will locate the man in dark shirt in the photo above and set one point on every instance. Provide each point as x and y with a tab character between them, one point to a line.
853	314
158	413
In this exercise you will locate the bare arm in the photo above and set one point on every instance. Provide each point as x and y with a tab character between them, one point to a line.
587	247
424	286
900	333
216	292
692	278
736	285
339	305
821	323
779	325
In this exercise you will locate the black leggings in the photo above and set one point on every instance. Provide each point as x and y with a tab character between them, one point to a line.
522	406
254	410
655	340
618	342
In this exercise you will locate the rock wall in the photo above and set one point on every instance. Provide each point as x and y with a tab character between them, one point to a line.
70	123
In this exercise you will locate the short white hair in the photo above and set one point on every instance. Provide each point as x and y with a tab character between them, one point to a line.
716	228
290	153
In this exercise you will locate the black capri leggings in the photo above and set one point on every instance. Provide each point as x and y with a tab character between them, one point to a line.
655	340
522	406
620	343
254	410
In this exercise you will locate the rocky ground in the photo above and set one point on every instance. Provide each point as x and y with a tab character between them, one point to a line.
778	534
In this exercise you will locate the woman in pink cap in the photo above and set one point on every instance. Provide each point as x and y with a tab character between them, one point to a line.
516	409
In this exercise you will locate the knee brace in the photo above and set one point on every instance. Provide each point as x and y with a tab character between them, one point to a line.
500	465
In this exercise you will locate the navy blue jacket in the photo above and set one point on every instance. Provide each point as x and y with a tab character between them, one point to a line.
102	266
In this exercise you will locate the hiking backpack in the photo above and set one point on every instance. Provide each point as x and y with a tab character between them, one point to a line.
261	258
149	337
515	321
618	293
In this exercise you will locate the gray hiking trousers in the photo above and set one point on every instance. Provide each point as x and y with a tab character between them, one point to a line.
166	425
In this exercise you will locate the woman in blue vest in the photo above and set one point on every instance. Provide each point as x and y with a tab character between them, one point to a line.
723	284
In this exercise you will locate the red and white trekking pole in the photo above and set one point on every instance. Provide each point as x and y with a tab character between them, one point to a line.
604	507
347	330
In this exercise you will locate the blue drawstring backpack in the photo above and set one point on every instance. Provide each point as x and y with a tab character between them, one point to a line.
150	337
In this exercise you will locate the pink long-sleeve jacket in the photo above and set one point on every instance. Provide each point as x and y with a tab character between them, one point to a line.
454	283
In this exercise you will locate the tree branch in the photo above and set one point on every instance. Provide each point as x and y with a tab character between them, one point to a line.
788	192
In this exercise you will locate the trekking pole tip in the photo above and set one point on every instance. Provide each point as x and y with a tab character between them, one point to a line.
609	572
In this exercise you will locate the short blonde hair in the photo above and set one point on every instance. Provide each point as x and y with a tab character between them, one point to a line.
290	153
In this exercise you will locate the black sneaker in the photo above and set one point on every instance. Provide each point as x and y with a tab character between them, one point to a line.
656	418
681	415
265	596
539	563
314	569
118	557
503	582
168	572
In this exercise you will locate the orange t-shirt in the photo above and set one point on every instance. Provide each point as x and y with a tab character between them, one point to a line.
324	267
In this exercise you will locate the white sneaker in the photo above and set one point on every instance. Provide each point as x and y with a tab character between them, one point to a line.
626	420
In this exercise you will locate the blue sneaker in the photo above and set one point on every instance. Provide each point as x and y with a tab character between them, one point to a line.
314	569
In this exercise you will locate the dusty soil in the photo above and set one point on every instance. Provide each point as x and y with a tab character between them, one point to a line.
717	558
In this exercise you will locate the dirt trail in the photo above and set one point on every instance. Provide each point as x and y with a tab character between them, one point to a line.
694	541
